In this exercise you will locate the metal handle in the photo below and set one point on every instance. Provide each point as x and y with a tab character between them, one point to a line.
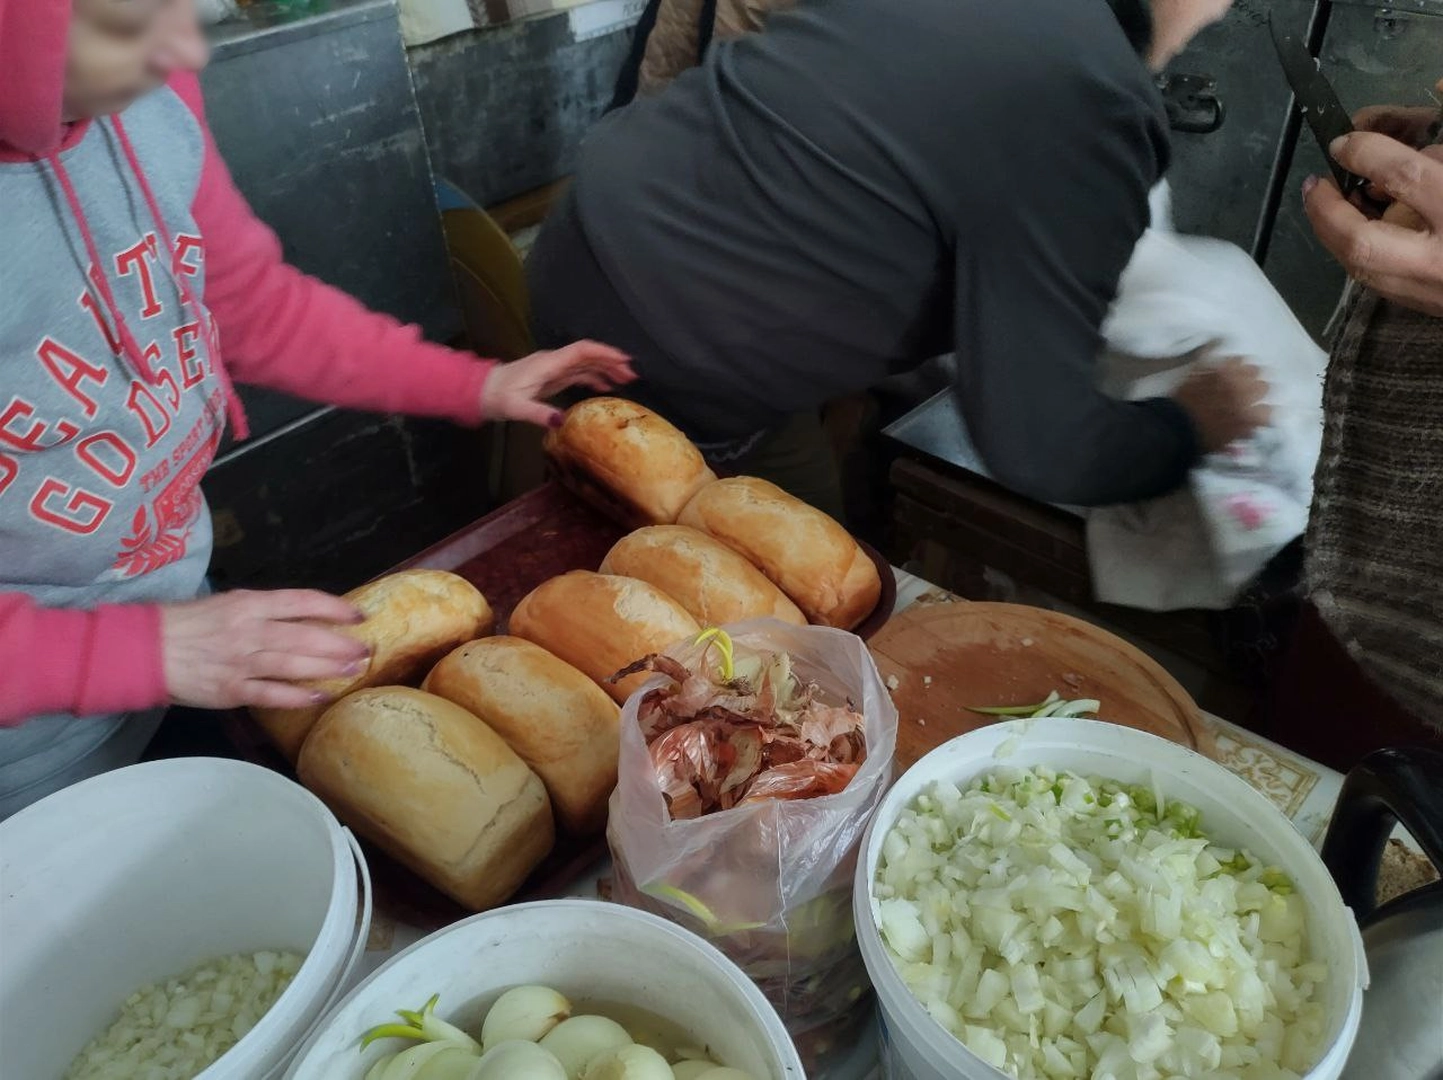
1193	106
1388	788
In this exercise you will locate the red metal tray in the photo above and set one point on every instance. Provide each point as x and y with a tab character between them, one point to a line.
506	554
550	531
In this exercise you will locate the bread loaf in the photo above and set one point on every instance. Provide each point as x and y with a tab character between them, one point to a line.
716	585
559	721
413	618
599	624
434	787
628	460
804	552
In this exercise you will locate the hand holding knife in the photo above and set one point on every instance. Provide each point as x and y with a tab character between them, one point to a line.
1314	96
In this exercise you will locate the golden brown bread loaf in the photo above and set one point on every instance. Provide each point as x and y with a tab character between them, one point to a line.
556	719
414	617
434	787
628	460
804	552
600	623
716	585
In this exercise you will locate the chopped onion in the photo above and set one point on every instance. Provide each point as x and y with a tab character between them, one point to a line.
177	1029
1066	927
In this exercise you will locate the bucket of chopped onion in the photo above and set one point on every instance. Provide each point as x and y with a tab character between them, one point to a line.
1056	898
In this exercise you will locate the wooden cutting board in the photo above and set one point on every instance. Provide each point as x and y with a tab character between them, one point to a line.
947	657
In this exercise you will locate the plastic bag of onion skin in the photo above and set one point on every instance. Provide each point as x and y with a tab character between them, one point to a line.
768	883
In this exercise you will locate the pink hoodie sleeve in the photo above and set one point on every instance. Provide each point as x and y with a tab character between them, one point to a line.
286	331
84	662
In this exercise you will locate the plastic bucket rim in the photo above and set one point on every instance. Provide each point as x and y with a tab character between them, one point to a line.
901	1009
274	1035
763	1012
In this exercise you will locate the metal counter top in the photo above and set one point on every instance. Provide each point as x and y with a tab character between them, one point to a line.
935	429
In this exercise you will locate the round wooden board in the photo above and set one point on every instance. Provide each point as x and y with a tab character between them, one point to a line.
948	657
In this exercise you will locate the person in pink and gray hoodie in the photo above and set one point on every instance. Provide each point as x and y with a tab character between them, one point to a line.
135	285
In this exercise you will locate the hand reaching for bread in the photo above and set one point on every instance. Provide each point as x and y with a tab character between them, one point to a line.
518	390
248	648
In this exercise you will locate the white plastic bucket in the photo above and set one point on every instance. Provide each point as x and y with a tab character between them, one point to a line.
145	872
916	1047
585	949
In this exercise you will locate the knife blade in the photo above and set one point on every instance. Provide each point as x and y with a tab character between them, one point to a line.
1314	96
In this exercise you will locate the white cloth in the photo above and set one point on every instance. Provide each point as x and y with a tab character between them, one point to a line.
1184	299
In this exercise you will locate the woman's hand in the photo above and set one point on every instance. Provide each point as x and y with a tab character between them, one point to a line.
1399	256
518	390
250	648
1226	402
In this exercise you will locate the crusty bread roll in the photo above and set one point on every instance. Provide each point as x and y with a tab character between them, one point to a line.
628	460
715	584
414	617
560	722
434	787
804	552
599	624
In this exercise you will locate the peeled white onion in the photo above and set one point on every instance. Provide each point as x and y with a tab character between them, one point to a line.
526	1013
692	1070
578	1040
453	1063
407	1065
633	1062
516	1059
378	1070
719	1073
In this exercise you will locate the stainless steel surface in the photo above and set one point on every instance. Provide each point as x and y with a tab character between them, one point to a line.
1401	1036
316	116
936	428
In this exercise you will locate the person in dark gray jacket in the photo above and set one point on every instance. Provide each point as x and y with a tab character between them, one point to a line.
864	186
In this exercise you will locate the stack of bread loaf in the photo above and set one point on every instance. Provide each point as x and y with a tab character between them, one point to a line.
724	550
466	778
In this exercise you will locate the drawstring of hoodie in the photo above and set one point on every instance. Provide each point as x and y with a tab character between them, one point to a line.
129	347
240	428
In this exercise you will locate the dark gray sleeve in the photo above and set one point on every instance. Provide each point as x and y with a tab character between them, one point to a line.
1033	287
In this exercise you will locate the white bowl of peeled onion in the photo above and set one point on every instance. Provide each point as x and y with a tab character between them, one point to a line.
555	990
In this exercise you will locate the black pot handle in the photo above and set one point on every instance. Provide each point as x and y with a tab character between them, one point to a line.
1402	786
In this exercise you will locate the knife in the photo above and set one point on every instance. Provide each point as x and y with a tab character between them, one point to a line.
1314	95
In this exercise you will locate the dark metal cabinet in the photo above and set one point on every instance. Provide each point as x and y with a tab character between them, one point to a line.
318	121
316	115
